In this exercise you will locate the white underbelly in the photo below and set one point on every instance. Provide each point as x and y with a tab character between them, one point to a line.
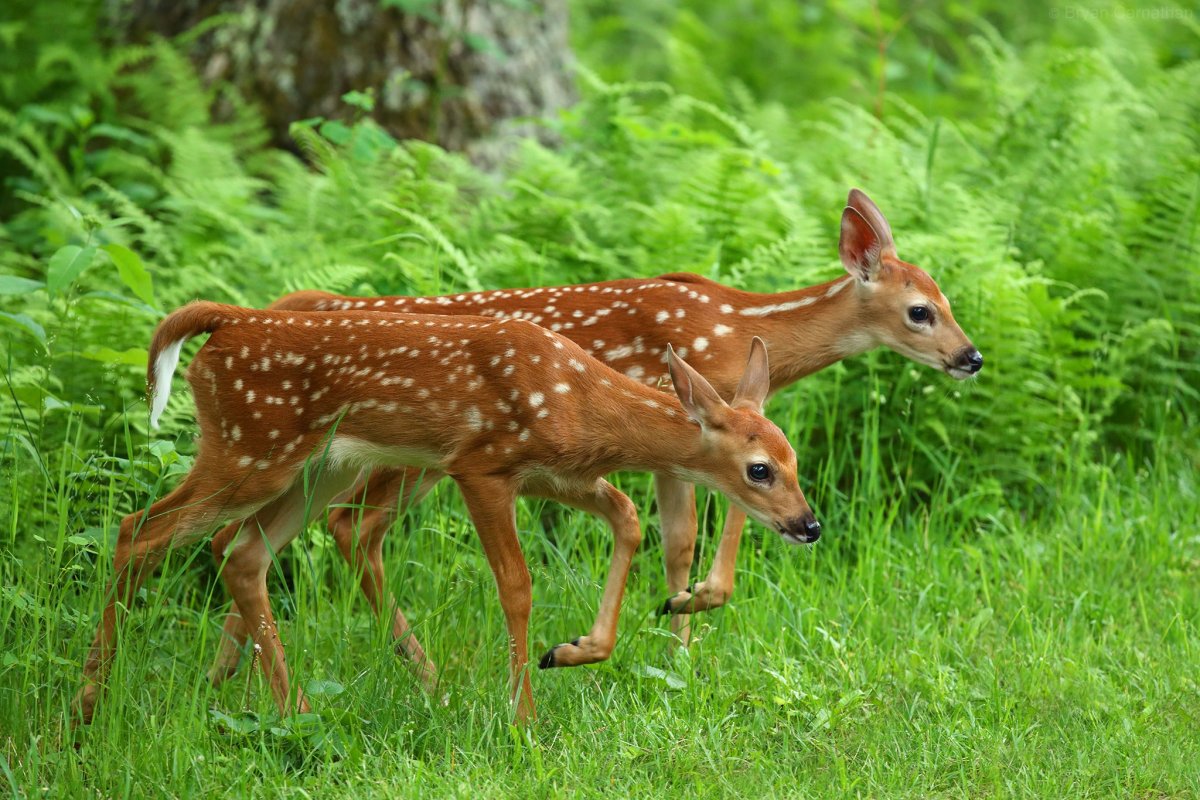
350	451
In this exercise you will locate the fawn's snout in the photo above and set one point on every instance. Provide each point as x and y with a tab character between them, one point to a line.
971	360
966	362
803	529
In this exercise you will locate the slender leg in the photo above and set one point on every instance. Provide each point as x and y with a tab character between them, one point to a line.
677	518
244	551
715	590
361	544
233	636
362	547
490	501
607	501
181	517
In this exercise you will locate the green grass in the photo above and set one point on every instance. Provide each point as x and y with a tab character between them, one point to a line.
903	655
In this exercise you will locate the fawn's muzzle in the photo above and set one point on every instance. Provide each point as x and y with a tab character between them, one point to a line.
971	361
801	530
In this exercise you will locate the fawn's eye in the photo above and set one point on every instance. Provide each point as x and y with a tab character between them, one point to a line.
919	313
759	472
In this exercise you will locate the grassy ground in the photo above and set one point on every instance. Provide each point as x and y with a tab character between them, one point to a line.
903	655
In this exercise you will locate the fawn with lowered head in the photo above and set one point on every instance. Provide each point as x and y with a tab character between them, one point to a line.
291	406
628	324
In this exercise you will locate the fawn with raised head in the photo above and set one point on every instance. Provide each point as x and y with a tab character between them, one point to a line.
291	406
629	323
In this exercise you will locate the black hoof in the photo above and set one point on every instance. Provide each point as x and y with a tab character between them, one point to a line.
666	610
548	660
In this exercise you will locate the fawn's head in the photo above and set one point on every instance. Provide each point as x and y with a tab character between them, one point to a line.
745	455
901	306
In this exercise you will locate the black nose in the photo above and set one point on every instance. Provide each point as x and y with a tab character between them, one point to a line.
814	530
974	361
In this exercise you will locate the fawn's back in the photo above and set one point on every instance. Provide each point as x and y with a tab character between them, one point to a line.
400	388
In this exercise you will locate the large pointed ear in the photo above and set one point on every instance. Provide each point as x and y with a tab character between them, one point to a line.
752	390
859	201
699	399
860	247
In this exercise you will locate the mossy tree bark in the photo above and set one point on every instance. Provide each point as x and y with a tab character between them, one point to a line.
449	71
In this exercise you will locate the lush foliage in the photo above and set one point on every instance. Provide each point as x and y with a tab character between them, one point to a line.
1010	567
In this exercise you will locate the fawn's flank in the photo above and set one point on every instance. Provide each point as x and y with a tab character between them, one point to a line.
629	323
292	405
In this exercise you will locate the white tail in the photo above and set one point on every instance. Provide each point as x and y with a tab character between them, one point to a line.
291	404
160	382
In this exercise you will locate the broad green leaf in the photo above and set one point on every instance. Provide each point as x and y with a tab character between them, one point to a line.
66	265
51	404
11	284
134	356
363	100
243	723
324	688
672	680
132	271
336	132
28	325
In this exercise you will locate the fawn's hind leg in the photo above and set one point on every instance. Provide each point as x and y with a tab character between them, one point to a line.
183	516
360	542
389	493
244	553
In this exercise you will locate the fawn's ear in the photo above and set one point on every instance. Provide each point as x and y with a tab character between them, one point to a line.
862	246
697	396
755	385
859	201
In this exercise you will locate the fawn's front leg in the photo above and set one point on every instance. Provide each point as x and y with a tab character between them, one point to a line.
677	520
608	502
715	590
490	501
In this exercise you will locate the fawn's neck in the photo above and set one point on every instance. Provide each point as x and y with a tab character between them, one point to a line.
806	330
645	430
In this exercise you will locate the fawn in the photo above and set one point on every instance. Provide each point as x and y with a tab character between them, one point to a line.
629	323
291	406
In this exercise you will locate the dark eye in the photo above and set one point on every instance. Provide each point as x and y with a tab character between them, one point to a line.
759	472
918	314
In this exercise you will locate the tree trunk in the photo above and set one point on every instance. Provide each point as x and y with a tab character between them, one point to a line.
448	71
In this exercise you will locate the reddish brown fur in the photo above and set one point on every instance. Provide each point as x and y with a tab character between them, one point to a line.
619	322
291	405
